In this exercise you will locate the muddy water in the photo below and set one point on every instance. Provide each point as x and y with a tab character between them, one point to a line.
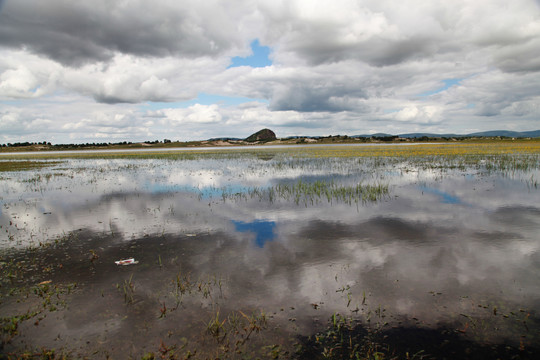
226	266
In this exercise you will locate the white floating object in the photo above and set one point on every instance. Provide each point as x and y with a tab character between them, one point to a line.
130	261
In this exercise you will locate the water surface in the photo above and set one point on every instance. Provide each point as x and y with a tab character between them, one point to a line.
218	241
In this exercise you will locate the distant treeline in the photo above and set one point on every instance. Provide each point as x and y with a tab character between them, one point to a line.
24	144
420	138
385	138
77	146
45	145
48	144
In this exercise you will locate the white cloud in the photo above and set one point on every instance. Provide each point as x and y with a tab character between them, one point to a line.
10	121
416	114
19	82
198	114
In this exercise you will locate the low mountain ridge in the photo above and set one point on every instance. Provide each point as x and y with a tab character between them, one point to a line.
492	133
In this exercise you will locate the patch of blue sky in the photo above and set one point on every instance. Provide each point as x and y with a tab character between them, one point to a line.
258	58
13	102
263	230
448	83
445	197
209	99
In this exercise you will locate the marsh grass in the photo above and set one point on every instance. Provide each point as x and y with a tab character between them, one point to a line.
128	289
233	332
42	299
311	193
20	165
206	286
508	157
316	191
368	336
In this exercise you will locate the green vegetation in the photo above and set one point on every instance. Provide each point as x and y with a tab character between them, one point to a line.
184	285
25	165
346	338
308	193
43	298
451	149
262	136
128	288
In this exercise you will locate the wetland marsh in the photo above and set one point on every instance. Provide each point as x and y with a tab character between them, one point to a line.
302	252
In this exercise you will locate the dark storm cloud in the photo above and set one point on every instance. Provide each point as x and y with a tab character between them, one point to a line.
108	99
517	215
381	228
384	53
524	58
74	33
311	97
375	52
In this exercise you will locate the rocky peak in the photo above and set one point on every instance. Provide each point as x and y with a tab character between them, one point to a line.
263	135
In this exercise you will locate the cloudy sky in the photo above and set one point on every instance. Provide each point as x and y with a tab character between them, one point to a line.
134	70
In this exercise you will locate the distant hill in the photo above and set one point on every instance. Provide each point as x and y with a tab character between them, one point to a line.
225	139
516	134
430	135
493	133
374	135
263	135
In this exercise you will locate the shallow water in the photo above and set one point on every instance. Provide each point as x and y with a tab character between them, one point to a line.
446	247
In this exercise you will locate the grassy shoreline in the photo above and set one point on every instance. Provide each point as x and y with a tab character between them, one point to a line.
344	140
346	149
430	152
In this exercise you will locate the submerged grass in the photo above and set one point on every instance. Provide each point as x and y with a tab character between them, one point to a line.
518	155
19	165
43	298
347	338
313	192
310	193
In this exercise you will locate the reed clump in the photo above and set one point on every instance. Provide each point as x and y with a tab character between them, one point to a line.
314	192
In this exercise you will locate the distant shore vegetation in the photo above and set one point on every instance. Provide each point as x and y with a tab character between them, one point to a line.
166	143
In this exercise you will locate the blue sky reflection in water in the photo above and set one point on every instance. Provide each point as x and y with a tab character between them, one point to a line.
446	198
263	230
426	256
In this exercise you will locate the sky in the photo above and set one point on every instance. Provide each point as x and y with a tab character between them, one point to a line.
136	70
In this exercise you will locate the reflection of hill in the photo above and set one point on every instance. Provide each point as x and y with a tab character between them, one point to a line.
266	156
